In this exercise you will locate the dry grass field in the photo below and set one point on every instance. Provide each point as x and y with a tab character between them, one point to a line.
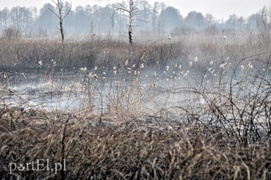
194	107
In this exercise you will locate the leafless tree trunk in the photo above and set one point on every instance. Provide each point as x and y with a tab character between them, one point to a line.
131	10
131	20
264	25
59	15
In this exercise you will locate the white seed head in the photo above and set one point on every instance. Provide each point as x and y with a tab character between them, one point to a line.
95	76
89	74
250	66
211	62
142	65
126	63
223	65
180	66
196	59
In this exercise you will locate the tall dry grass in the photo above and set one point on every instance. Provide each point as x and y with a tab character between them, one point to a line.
102	53
194	108
119	151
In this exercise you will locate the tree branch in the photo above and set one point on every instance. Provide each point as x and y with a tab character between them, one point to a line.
54	13
67	12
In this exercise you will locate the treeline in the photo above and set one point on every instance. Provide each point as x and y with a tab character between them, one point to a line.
153	19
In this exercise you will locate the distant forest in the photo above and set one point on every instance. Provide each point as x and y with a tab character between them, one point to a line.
151	19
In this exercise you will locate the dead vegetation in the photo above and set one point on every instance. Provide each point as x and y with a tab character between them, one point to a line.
102	53
117	150
221	131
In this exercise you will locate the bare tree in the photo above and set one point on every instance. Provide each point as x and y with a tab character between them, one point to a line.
132	12
264	24
60	16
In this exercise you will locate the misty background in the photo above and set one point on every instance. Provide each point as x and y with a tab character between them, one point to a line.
151	19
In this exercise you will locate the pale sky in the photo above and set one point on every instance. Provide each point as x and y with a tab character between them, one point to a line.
219	8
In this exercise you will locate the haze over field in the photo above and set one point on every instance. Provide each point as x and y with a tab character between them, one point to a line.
182	94
220	9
